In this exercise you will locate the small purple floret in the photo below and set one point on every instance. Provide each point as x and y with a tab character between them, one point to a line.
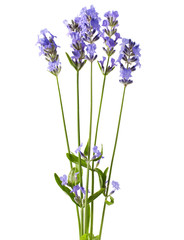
64	179
115	185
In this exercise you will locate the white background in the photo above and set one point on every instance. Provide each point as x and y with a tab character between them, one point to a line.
149	161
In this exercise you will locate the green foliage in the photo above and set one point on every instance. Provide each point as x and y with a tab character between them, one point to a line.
95	195
110	202
71	62
87	237
75	160
100	68
65	189
86	150
102	176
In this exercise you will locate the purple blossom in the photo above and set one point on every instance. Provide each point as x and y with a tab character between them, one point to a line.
125	73
97	154
83	190
105	23
129	56
54	66
102	63
48	48
115	185
113	64
89	18
75	189
109	33
110	43
90	49
64	179
79	148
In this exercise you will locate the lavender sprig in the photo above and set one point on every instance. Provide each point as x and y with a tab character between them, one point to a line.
128	60
48	48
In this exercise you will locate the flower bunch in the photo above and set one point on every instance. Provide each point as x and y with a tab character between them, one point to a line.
85	30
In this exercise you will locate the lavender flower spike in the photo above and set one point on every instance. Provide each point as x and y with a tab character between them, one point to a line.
48	48
128	60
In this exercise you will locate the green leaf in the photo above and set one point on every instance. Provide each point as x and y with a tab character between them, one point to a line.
82	64
101	177
110	202
95	195
71	61
100	67
75	160
65	189
105	173
86	150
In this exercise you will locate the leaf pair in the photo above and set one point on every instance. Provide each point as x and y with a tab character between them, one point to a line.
78	66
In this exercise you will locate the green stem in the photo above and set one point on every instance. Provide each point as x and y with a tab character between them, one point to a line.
89	149
112	160
67	142
66	135
98	119
80	168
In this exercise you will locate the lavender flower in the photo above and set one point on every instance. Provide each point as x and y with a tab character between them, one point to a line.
83	190
64	179
115	187
102	64
78	150
48	48
84	31
75	189
90	49
129	54
109	33
97	154
90	30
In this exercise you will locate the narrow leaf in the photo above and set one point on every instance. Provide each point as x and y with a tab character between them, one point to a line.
75	159
86	150
71	61
65	189
100	67
82	64
95	195
101	177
